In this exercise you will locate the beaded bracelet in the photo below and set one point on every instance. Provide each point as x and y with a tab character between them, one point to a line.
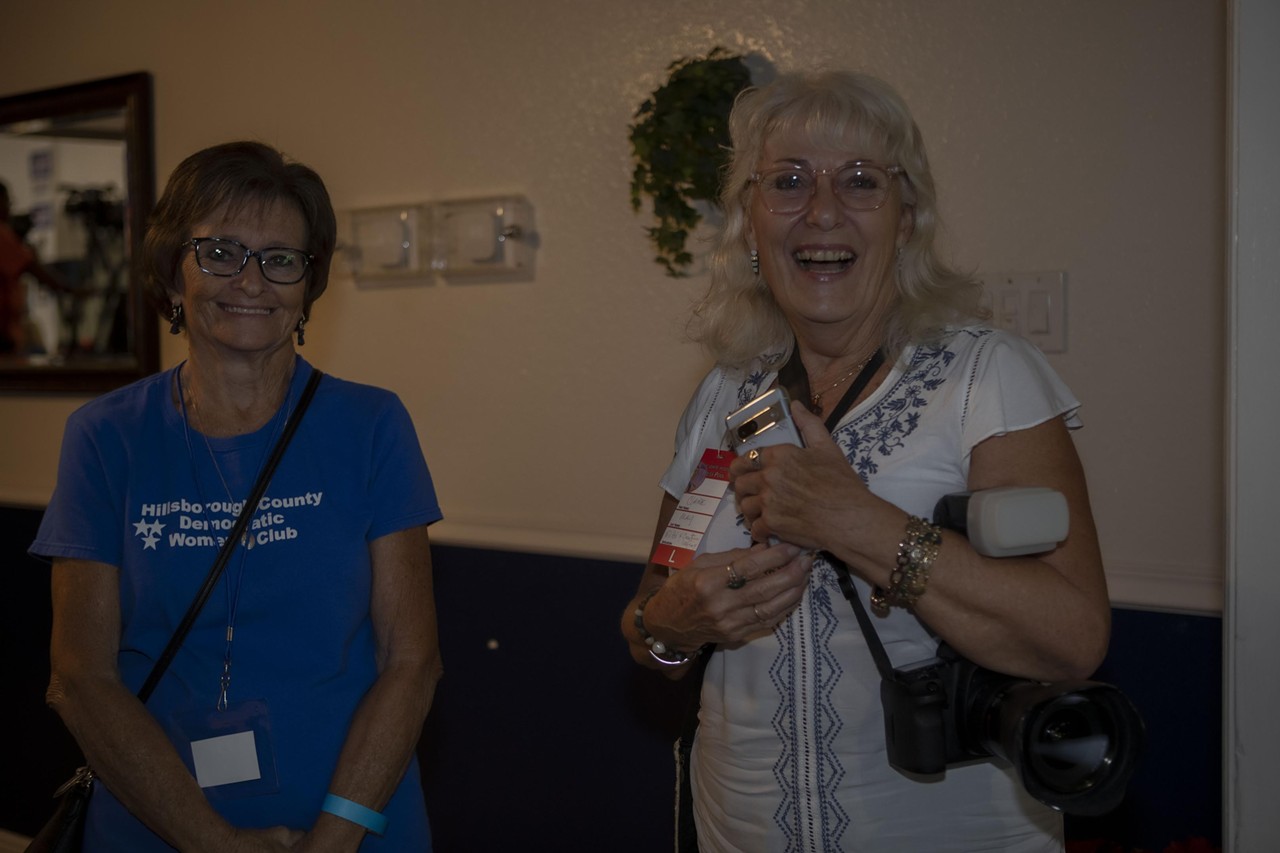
916	552
657	649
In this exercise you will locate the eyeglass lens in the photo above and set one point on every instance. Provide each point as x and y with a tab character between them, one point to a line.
218	256
859	187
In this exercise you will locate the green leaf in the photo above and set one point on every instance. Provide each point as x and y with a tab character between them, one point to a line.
680	144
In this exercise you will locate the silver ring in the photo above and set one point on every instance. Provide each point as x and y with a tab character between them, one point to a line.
736	581
756	611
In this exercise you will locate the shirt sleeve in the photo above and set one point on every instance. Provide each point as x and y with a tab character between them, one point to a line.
1013	387
84	518
691	432
400	482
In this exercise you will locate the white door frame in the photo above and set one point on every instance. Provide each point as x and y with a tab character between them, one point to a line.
1251	616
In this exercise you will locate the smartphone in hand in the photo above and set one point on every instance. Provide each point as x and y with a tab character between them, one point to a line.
763	422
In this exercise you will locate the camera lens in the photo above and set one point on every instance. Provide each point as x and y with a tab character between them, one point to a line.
747	430
1079	744
1075	744
1070	743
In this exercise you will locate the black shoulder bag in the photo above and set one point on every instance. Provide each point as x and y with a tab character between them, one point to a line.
64	832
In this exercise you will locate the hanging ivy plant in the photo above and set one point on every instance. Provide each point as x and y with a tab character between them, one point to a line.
680	142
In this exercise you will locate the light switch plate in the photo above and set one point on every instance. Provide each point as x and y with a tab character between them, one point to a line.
1031	304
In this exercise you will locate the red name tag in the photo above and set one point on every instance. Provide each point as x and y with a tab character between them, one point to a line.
684	532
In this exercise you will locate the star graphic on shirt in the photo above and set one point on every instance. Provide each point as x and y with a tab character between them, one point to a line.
149	531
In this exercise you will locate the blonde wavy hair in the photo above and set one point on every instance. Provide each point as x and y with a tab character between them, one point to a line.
738	318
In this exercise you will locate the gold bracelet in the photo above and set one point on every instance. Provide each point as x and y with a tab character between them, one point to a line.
916	552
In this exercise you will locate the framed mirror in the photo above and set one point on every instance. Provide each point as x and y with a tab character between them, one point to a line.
79	168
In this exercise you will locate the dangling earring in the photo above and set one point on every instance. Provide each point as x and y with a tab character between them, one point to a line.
755	262
302	322
175	318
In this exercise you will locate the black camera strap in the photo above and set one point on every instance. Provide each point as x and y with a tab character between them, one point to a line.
878	654
795	379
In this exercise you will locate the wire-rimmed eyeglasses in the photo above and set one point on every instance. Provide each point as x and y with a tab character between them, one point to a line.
223	257
862	185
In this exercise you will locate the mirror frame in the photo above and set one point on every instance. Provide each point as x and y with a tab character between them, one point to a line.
132	93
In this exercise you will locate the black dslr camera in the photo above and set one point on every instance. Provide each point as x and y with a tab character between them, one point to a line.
1074	744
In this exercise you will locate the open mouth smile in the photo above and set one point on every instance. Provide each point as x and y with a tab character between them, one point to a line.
245	309
829	261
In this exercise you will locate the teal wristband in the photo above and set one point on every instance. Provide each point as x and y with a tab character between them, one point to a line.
373	821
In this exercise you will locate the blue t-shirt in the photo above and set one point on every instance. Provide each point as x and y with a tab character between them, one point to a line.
139	490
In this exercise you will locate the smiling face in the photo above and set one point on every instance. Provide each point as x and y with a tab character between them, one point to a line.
243	314
828	267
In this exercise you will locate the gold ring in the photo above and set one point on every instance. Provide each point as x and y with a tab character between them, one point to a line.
753	456
736	581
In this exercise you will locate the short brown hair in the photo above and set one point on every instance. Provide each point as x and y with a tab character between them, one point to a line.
235	175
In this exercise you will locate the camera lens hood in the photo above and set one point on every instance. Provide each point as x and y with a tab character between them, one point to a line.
1074	744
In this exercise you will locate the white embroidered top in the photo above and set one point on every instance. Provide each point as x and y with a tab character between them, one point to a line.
790	752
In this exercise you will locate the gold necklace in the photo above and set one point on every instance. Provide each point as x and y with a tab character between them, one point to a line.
815	397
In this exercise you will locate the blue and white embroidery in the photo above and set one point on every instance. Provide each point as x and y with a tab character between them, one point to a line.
808	769
878	432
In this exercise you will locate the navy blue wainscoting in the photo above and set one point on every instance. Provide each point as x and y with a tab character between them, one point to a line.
544	735
1170	665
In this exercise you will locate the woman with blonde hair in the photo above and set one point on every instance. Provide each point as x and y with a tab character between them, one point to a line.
826	282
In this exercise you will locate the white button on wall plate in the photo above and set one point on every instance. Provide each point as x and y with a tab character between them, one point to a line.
1032	304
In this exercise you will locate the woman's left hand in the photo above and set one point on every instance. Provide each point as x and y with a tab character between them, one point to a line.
797	494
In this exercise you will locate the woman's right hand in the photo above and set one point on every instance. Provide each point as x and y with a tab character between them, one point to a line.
703	603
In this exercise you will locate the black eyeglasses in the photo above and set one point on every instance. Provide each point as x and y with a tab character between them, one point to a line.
223	257
859	186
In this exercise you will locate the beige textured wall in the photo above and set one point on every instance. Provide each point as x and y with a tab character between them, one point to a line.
1085	136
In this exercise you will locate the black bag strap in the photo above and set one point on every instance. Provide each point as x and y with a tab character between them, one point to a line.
237	531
